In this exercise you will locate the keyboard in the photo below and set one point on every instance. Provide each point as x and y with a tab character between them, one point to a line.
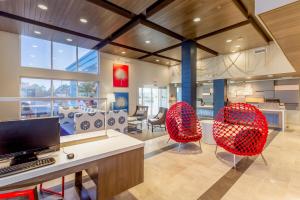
15	169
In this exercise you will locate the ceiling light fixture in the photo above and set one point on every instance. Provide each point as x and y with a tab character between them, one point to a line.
233	51
157	60
238	46
83	20
123	52
43	7
167	63
60	51
147	41
69	39
229	40
197	19
37	32
35	46
248	77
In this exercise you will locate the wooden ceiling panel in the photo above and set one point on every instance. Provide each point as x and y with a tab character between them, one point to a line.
111	49
160	61
137	36
178	16
135	6
284	25
176	53
21	28
66	13
244	37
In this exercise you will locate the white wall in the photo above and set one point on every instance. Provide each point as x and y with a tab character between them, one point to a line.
239	65
140	73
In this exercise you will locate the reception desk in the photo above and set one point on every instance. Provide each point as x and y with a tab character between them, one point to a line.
275	117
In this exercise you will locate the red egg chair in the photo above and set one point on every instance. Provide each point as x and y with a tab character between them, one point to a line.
25	194
241	129
182	123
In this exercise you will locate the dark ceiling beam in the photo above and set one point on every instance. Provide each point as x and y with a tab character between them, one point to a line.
113	8
49	26
157	6
204	48
168	58
123	29
162	50
239	4
161	29
228	28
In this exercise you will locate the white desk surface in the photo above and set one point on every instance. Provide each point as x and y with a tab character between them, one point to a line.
87	152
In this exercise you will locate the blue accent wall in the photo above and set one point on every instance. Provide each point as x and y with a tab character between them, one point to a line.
220	94
189	72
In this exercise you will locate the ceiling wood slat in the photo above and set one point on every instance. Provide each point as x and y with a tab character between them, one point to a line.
157	6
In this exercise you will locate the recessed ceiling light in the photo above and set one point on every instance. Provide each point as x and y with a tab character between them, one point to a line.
35	46
69	39
238	46
270	75
229	40
197	19
83	20
147	41
60	51
233	51
167	63
43	7
37	32
248	77
123	52
157	60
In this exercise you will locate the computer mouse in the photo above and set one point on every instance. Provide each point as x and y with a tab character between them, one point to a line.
70	156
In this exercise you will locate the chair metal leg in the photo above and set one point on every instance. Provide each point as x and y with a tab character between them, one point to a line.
200	146
179	147
216	149
168	140
234	163
264	159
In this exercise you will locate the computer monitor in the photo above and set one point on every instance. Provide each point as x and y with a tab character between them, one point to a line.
24	139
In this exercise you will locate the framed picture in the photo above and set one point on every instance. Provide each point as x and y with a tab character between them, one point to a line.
121	102
120	75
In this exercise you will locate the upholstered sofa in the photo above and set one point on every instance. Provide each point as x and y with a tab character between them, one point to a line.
75	120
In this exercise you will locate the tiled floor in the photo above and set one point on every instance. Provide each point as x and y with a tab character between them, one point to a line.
191	174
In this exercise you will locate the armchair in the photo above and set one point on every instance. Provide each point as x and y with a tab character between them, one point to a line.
159	119
141	113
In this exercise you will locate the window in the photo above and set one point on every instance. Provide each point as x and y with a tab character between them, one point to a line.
87	61
43	97
45	54
64	57
35	52
35	87
154	98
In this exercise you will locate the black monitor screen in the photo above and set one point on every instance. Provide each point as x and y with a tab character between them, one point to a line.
28	136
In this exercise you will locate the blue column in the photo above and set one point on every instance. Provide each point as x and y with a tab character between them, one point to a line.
189	72
220	94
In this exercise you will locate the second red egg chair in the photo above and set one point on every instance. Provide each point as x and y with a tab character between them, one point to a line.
241	129
182	123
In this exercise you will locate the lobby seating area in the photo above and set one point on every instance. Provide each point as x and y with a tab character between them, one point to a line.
149	100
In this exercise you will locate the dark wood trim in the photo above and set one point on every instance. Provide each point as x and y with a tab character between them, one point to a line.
204	48
130	48
157	6
228	28
161	29
162	50
161	56
113	8
49	26
123	29
239	4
